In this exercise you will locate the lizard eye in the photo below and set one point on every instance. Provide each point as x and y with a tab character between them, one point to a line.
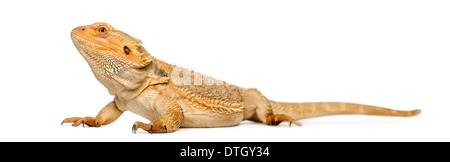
126	50
102	29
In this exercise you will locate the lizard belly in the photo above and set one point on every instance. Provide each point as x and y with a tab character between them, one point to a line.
198	116
142	105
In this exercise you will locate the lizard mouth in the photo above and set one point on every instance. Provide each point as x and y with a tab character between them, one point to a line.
82	44
80	41
85	46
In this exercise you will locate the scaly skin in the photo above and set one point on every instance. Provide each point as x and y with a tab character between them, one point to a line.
172	97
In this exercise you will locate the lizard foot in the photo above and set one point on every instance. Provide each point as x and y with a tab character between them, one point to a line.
153	127
276	119
90	121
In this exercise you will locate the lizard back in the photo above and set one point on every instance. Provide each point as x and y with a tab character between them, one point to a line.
207	93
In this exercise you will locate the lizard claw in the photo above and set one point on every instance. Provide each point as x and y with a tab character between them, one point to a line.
151	129
141	125
165	128
133	129
83	121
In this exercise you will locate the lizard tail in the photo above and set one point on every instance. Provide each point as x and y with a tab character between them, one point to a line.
313	109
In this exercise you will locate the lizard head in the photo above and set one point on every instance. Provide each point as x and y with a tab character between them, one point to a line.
114	57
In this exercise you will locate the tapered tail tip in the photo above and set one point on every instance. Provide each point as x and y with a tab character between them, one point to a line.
407	113
416	112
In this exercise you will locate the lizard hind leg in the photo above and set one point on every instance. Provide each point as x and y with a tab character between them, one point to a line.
260	109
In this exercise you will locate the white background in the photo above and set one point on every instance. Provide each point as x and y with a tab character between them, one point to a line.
387	53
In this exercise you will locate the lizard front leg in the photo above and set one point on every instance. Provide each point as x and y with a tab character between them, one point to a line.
107	115
170	121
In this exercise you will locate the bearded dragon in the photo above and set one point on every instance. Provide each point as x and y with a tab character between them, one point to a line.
172	97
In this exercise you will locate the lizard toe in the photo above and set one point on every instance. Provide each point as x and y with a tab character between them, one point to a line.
76	121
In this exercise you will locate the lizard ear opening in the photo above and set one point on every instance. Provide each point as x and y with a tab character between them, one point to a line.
126	50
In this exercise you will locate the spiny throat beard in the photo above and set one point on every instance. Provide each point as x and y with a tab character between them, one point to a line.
106	67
